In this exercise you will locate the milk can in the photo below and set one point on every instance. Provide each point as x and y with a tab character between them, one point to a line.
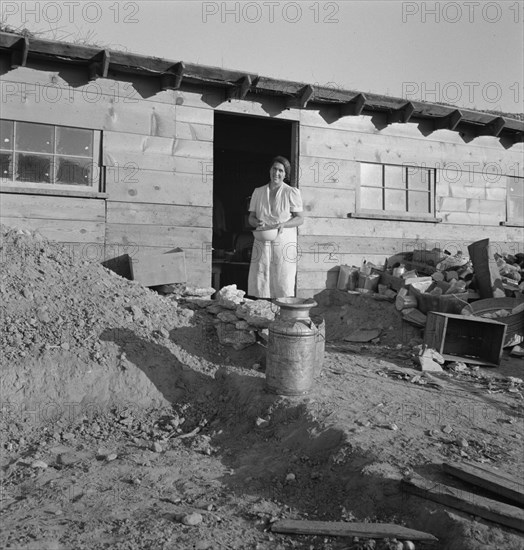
295	350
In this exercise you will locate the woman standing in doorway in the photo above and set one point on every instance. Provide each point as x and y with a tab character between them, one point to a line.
276	205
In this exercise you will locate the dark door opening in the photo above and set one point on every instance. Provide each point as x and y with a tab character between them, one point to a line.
243	147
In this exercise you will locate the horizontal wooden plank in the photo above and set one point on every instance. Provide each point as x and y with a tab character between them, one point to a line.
193	131
43	79
258	106
443	235
148	186
420	129
194	115
102	113
128	160
486	508
325	245
50	207
157	145
489	478
324	261
335	144
473	218
317	279
70	231
159	236
159	214
328	202
349	529
334	173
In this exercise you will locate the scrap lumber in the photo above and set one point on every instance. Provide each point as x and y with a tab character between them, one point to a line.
488	478
151	268
486	508
349	529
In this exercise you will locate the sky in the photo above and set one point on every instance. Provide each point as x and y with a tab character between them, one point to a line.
465	53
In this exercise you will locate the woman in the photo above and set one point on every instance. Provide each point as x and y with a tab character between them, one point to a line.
274	263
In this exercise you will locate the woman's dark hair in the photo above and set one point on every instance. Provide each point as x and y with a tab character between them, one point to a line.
285	163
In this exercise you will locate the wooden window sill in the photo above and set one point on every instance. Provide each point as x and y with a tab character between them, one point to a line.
393	217
511	224
53	192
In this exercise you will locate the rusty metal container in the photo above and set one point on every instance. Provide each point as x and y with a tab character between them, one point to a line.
295	350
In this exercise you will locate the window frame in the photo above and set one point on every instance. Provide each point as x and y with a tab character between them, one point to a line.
97	180
403	215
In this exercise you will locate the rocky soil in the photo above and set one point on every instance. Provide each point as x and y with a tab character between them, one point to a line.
127	425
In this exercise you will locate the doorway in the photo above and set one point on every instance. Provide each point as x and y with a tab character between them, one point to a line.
243	147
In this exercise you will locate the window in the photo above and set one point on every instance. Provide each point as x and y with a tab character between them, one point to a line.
406	191
43	156
515	200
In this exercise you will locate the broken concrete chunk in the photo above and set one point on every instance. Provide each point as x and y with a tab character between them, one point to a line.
258	313
228	335
227	316
230	297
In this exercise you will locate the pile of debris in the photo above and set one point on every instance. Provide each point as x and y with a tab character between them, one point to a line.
484	285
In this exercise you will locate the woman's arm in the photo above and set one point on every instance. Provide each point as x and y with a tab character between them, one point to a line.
253	220
297	218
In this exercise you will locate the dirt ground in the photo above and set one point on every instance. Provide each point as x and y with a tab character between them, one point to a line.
126	425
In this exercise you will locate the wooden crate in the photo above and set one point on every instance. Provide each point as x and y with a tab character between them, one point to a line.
465	338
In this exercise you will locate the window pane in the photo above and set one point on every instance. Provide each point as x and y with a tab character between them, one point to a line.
36	138
73	171
395	177
418	201
371	198
35	168
74	141
6	134
418	178
6	167
395	200
370	174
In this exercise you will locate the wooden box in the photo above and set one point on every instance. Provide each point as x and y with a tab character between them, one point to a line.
465	338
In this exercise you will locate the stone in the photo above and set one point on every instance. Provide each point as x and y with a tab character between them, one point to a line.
227	316
291	478
194	518
229	297
39	464
458	366
428	365
68	459
156	447
261	422
258	313
111	457
163	332
447	429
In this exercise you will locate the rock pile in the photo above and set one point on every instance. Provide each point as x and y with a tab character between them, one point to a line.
240	321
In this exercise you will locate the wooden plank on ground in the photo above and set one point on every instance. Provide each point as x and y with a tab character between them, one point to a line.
349	529
488	478
153	269
486	508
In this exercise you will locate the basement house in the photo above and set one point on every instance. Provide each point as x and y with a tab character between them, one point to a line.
114	153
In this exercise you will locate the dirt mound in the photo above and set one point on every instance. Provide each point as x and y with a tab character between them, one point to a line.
68	327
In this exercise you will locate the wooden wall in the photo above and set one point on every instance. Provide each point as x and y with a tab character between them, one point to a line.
158	154
157	151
